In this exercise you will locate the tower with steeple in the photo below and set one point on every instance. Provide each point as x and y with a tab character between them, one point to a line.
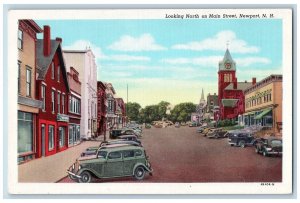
226	73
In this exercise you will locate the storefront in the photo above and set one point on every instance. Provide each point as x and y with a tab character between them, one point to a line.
26	136
74	134
262	117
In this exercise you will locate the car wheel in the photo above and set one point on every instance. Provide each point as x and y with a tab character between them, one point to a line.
86	177
139	173
265	153
242	144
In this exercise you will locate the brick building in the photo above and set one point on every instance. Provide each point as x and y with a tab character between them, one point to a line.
120	112
74	107
231	96
28	103
53	90
101	109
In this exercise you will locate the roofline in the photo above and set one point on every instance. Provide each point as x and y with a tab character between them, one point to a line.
33	24
74	51
267	80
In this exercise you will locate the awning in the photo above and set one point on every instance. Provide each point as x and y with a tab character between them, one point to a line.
248	113
264	112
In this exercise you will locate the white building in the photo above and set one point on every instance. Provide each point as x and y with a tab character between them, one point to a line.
84	62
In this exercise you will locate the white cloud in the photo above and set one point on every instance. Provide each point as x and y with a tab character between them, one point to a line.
213	61
85	44
145	42
218	43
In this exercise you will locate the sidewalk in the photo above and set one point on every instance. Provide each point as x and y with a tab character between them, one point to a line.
53	168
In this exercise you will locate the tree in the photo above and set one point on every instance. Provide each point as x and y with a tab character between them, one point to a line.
132	110
162	109
182	112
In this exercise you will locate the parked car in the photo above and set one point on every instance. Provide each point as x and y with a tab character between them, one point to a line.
217	133
147	125
241	139
130	138
115	133
93	150
177	125
269	146
201	129
193	124
128	131
110	163
183	124
207	130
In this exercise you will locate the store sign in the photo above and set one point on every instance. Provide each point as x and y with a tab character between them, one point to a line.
62	118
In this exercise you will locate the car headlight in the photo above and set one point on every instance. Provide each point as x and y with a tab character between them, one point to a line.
268	149
73	166
79	167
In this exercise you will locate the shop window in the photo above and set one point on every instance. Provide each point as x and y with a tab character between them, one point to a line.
25	132
51	137
20	39
61	136
268	120
71	132
28	81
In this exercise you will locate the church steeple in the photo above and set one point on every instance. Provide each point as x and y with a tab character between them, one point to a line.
227	63
202	95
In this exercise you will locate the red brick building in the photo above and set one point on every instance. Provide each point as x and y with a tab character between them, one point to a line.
52	89
231	96
101	108
120	111
74	107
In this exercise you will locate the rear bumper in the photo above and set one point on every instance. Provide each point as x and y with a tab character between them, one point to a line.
274	152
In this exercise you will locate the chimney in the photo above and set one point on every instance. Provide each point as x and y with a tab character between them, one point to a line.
253	81
235	84
47	42
58	39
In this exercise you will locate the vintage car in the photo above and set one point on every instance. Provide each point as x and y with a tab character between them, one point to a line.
177	125
147	125
201	129
269	146
207	130
93	150
217	133
241	139
110	163
193	124
130	138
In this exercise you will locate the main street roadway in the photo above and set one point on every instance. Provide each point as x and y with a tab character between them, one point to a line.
183	155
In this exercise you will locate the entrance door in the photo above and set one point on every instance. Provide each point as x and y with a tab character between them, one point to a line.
43	139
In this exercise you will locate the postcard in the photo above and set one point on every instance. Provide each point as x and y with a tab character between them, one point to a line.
150	101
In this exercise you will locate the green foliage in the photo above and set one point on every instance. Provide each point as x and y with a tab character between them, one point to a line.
182	112
132	110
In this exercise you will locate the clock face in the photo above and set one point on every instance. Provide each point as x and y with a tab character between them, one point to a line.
227	65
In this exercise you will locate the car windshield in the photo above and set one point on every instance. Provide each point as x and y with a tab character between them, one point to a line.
102	154
276	143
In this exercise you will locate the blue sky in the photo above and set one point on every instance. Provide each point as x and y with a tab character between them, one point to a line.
172	60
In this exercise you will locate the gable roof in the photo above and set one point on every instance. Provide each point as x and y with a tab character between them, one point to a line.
227	59
43	62
240	86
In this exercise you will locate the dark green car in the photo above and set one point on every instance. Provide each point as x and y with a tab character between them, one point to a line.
111	162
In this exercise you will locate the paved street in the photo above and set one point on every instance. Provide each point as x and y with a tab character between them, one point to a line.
182	155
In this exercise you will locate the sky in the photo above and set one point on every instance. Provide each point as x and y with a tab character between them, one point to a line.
173	59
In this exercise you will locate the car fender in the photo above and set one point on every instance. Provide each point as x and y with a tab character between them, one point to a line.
93	172
143	165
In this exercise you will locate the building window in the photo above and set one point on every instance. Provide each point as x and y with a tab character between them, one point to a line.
230	78
74	105
61	136
20	39
53	100
63	103
19	78
58	102
58	73
28	81
52	71
25	132
43	96
51	137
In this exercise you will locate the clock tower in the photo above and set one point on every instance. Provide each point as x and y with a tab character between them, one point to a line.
226	73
